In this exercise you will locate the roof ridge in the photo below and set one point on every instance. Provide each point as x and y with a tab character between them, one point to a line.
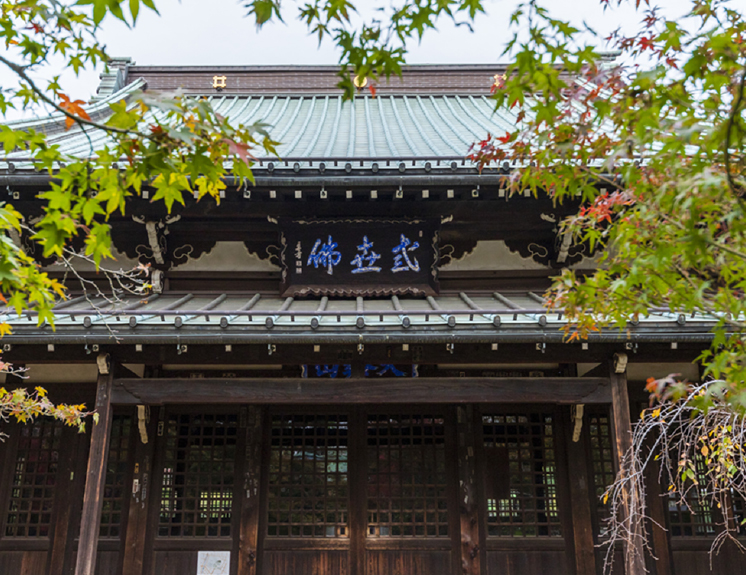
113	78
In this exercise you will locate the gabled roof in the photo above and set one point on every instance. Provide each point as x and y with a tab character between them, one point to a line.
325	127
434	113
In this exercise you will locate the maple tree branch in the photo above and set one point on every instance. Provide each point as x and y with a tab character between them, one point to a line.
708	241
729	130
21	72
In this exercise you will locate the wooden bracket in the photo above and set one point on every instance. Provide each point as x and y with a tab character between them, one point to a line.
104	363
577	418
620	362
143	417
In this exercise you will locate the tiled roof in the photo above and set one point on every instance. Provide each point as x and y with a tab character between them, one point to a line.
386	126
254	317
324	127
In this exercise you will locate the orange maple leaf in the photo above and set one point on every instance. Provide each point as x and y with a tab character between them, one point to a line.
74	107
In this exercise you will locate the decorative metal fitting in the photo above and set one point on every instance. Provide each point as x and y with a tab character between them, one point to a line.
219	82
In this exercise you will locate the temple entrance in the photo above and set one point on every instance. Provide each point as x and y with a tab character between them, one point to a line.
373	490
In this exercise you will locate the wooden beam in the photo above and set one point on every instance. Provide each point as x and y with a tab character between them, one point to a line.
634	555
244	354
95	477
248	529
565	390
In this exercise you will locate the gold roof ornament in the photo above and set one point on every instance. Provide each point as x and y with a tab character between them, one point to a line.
498	81
219	82
359	82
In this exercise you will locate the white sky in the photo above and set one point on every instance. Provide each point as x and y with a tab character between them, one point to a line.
194	32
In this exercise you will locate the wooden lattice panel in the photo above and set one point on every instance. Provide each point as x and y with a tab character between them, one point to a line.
34	480
695	516
116	476
602	461
529	505
198	475
308	478
407	487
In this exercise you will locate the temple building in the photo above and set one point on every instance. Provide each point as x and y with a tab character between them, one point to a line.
347	368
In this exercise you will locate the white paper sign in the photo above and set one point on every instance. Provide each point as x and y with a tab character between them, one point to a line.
213	562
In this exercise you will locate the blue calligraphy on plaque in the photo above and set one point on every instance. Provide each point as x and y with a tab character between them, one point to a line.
402	260
364	261
333	371
324	255
381	370
368	257
344	371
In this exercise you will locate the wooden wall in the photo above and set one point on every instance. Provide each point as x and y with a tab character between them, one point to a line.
140	552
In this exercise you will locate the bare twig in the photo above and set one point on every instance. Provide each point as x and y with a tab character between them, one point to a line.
728	132
678	438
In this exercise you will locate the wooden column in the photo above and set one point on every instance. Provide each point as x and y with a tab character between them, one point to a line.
96	473
634	558
249	551
580	497
357	464
133	550
659	519
68	494
473	553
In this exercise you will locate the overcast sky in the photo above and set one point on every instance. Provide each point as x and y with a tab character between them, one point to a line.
194	32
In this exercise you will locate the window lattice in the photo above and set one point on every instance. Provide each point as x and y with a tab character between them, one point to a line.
198	475
739	513
528	506
406	476
116	476
34	480
694	516
602	460
308	489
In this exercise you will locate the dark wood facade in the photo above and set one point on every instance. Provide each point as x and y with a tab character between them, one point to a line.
346	429
346	488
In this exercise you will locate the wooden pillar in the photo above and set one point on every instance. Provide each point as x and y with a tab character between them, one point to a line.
249	540
580	494
659	519
357	463
96	473
634	558
64	518
133	550
473	553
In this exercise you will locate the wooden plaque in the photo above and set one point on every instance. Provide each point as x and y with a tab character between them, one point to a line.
359	257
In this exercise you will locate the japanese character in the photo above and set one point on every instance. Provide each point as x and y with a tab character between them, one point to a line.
332	371
402	262
325	255
368	256
381	370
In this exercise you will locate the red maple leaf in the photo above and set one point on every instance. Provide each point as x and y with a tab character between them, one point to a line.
646	43
239	149
504	139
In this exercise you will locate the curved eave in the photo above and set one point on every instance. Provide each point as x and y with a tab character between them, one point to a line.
232	318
